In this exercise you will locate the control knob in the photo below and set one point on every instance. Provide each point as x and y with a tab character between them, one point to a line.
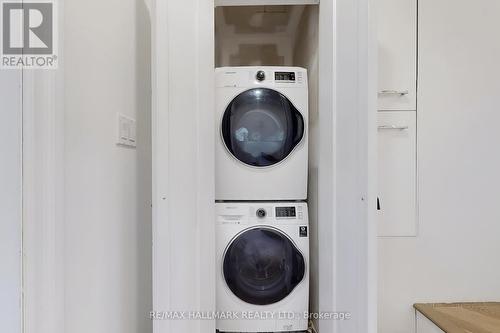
261	213
261	75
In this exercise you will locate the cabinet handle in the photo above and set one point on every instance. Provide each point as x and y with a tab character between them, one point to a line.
394	92
393	127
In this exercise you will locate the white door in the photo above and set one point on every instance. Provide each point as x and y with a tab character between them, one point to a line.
397	174
10	201
397	42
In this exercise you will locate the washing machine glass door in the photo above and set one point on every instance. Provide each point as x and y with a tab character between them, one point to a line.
261	127
262	266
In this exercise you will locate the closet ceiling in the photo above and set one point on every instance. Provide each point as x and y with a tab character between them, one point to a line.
258	19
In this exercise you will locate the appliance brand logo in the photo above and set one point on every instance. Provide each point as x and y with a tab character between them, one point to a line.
29	34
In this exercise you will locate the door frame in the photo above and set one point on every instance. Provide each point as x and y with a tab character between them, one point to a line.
40	128
11	233
347	173
43	201
43	195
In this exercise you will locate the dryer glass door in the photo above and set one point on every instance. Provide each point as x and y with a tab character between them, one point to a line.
261	127
262	266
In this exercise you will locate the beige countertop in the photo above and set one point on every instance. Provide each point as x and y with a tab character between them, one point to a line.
463	317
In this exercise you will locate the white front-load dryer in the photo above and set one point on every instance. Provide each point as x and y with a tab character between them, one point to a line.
261	141
262	281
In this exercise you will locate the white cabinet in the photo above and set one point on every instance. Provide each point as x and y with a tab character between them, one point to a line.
397	56
424	325
397	169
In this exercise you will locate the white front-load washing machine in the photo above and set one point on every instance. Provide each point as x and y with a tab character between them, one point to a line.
262	267
261	141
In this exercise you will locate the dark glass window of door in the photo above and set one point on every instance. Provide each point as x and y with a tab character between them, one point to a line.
262	266
261	127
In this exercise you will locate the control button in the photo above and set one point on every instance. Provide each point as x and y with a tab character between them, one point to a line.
301	215
261	213
261	75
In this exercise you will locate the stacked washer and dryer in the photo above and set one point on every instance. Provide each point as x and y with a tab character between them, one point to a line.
261	191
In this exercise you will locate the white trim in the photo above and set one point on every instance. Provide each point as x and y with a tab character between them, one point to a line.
354	123
11	201
43	233
160	167
43	200
326	180
183	181
206	160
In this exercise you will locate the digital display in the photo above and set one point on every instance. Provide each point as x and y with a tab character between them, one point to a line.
284	76
285	212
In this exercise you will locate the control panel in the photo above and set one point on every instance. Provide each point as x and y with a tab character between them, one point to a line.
248	77
284	76
286	212
255	213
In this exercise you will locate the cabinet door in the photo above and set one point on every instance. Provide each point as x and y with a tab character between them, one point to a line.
397	44
424	325
397	173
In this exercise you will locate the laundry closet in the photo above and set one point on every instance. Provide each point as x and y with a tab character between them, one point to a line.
263	93
274	218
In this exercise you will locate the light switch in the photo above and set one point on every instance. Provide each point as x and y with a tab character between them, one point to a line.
126	131
132	134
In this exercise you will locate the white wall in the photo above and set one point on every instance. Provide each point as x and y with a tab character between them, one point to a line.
10	201
107	188
455	256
